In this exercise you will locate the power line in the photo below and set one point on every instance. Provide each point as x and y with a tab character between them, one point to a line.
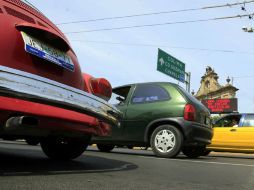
247	76
166	46
158	13
161	24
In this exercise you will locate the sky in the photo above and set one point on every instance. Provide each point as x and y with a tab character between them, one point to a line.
129	55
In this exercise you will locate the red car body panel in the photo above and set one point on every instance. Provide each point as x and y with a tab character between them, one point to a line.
12	52
57	100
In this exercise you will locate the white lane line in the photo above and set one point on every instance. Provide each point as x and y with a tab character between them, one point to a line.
203	162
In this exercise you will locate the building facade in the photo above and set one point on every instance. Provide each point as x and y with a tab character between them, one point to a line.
211	89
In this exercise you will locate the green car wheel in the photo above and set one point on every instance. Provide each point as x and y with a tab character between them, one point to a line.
105	147
194	151
166	141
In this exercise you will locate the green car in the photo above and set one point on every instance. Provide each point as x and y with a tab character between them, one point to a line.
162	116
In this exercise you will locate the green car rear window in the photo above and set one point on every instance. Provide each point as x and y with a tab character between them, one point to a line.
189	96
149	93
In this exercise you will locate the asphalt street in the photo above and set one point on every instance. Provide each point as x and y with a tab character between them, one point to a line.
26	167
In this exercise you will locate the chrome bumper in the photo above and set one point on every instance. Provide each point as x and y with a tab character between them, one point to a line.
23	85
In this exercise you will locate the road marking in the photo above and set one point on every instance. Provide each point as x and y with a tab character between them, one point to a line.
204	162
123	167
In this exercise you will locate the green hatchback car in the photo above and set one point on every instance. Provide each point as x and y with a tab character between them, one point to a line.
162	116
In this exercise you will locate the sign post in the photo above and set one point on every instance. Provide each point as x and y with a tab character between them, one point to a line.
187	81
172	67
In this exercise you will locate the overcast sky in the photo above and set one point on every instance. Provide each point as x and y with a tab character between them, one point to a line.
130	55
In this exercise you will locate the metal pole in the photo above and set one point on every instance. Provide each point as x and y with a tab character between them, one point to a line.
187	81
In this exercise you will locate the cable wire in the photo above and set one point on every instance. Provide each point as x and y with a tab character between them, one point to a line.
238	77
166	46
160	24
157	13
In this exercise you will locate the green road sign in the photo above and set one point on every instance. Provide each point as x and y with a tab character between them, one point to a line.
170	66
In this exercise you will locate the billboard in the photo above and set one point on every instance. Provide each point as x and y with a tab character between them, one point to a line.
227	105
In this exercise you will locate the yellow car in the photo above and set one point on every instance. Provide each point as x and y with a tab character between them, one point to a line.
233	133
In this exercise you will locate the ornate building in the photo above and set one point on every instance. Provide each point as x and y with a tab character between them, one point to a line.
211	89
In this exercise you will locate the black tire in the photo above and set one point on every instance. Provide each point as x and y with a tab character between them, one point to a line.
105	147
64	149
194	151
206	153
32	142
166	141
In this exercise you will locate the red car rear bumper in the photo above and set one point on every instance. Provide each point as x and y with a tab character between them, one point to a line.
52	118
56	106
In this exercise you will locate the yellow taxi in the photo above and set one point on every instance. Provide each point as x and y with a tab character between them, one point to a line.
233	133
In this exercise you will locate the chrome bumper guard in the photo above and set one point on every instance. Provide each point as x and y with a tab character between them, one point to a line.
23	85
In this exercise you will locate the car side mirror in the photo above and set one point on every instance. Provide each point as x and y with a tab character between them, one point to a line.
120	99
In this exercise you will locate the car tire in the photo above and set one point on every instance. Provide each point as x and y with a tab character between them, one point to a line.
194	151
206	153
166	141
32	142
64	149
105	147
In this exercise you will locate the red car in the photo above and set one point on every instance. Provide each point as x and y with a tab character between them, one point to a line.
44	96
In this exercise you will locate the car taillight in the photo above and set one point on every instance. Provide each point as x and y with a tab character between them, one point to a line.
101	87
189	112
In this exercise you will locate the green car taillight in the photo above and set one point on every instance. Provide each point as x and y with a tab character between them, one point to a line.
189	112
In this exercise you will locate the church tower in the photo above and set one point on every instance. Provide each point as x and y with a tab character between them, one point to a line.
211	89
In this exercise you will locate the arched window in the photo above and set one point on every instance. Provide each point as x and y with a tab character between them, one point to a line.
207	84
